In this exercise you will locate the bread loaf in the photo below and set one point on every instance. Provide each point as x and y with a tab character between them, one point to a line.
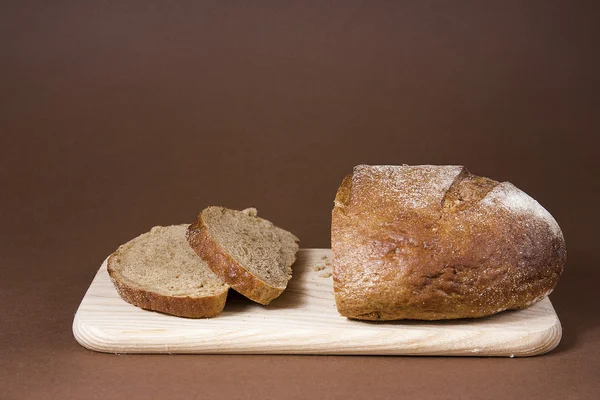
437	242
159	271
249	253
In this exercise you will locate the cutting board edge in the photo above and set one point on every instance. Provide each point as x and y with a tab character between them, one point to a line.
549	338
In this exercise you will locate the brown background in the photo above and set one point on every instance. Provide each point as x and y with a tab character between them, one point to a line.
117	116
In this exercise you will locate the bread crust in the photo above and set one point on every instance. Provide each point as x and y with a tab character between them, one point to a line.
189	307
439	243
227	268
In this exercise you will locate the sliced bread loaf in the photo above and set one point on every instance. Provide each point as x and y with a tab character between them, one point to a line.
249	253
435	242
159	271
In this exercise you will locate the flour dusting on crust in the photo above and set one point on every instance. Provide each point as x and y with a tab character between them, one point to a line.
417	186
516	201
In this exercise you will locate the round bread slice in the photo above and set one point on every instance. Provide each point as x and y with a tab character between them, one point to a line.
249	253
159	271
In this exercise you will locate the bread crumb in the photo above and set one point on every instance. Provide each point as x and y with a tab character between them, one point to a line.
319	267
324	258
325	275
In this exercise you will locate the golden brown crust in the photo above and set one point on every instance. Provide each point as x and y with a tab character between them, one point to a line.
439	243
189	307
227	268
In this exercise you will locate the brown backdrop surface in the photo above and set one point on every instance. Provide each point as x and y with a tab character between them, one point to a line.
117	116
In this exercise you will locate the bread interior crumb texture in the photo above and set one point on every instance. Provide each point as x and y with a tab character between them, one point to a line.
162	261
262	248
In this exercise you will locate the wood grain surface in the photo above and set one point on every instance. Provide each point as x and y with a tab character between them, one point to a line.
304	320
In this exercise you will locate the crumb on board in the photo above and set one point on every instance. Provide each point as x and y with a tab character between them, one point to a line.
319	267
324	258
325	275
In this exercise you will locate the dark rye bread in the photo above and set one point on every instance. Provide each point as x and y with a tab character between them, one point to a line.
249	253
159	271
436	242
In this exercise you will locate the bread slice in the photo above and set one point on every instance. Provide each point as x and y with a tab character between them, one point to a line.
249	253
159	271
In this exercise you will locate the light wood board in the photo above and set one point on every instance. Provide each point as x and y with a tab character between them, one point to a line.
304	320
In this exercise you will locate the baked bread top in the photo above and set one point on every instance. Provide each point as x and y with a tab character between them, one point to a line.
437	242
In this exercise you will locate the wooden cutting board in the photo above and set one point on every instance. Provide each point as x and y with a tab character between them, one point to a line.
304	320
